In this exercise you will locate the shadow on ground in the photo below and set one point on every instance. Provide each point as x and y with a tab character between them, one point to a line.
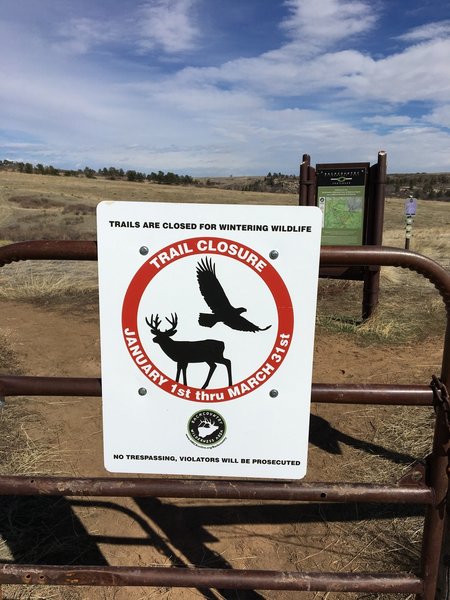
47	530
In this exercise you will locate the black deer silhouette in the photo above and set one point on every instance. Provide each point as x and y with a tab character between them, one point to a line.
183	353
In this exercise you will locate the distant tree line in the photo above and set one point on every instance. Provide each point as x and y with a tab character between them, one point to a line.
112	173
168	178
273	182
428	186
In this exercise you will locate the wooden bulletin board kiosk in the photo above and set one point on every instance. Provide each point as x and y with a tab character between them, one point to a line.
351	197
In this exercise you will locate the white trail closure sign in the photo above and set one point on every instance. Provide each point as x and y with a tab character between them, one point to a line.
207	319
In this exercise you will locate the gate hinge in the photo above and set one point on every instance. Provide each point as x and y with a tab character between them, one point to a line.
441	397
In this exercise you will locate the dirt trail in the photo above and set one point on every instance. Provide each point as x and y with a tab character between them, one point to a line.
142	532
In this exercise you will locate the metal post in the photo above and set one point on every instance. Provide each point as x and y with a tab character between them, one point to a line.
371	286
408	231
311	186
379	199
303	187
436	540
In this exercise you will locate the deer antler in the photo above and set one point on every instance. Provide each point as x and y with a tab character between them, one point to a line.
154	323
173	322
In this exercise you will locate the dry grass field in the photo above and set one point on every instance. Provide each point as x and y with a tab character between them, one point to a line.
49	326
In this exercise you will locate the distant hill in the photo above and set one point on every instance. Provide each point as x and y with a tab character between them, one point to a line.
426	186
272	182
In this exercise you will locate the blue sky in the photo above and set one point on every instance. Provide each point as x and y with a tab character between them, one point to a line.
214	87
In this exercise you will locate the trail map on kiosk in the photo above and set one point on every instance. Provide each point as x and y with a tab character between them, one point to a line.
207	319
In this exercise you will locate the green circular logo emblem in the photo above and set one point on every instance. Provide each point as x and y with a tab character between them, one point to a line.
206	428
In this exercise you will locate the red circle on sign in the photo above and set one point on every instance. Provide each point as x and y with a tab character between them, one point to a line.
222	247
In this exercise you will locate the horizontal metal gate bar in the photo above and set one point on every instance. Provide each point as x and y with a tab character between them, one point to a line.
230	579
48	250
196	488
406	395
331	256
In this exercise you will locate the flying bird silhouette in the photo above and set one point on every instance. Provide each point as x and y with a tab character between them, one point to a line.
217	300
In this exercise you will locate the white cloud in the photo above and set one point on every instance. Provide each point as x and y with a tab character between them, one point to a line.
418	73
164	25
229	118
167	24
438	29
397	79
20	146
388	120
284	71
81	35
418	148
440	116
207	99
271	75
327	22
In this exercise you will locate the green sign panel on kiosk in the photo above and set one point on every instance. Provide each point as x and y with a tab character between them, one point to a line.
341	196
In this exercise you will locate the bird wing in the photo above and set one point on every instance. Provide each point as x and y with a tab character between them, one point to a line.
242	324
210	287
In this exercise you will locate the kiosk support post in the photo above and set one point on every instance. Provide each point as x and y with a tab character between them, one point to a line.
371	287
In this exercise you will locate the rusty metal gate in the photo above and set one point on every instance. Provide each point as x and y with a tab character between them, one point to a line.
425	484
